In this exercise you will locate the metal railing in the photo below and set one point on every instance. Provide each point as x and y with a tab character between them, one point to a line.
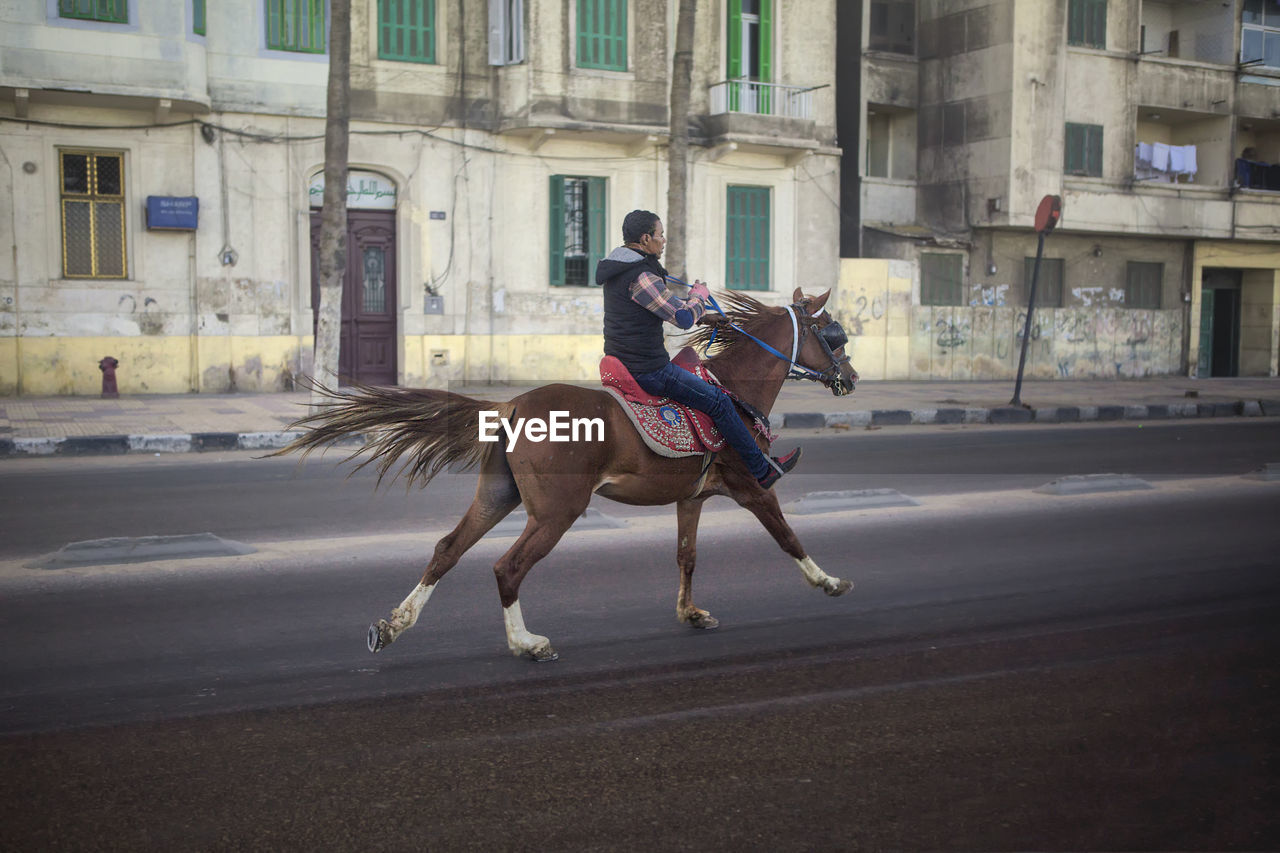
766	99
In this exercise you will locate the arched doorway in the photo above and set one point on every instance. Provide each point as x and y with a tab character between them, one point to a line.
367	352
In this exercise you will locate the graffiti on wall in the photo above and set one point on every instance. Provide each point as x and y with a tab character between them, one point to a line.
992	296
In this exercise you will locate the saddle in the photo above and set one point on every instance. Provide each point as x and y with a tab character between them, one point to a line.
667	427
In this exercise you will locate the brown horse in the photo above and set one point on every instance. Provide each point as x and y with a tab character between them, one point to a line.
435	429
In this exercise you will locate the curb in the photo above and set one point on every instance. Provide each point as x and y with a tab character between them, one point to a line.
201	442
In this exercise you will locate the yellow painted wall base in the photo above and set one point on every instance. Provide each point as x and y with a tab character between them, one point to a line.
151	364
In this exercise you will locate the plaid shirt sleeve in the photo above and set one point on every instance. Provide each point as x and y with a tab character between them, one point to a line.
653	294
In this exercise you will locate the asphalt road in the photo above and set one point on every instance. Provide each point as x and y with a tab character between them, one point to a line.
47	503
1011	671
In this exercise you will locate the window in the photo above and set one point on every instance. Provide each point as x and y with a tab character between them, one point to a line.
1082	154
941	279
1049	284
506	32
1087	23
750	54
577	229
602	34
92	215
407	30
893	26
747	231
1260	32
110	11
198	17
296	25
1143	283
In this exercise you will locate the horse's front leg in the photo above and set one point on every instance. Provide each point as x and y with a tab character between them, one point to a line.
763	504
687	514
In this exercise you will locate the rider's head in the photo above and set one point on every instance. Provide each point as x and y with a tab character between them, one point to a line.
643	228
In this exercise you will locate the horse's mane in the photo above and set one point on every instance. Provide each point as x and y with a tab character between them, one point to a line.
743	311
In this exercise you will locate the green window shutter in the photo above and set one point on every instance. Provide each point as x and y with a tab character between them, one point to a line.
765	106
406	30
735	39
1093	151
198	17
1143	283
941	277
316	43
1082	150
1075	22
556	229
1096	31
747	231
296	25
1087	23
766	41
596	226
1073	150
1049	285
275	28
107	11
602	34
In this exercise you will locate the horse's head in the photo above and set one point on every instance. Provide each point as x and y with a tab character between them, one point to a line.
822	342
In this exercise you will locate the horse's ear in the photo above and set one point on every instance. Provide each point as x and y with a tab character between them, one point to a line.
797	296
816	308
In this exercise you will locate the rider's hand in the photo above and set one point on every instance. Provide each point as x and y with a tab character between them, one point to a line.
700	291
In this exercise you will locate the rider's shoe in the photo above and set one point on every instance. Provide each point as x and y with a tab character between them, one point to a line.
780	466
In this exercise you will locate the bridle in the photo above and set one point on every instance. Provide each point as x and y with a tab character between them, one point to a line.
831	337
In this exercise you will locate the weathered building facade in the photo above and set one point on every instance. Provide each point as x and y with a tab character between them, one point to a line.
162	164
1157	122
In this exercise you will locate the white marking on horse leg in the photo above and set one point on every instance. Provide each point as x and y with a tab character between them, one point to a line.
403	617
520	640
817	577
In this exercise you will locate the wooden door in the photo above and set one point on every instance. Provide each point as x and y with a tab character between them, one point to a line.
367	352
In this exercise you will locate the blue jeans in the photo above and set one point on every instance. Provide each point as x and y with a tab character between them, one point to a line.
683	387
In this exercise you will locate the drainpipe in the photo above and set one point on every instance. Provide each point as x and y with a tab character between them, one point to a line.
17	287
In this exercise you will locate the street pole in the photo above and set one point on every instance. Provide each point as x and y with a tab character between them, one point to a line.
1047	216
1026	327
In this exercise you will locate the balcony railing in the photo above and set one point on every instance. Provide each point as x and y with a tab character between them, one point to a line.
766	99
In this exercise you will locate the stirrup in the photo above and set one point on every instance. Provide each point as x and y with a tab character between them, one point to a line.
779	466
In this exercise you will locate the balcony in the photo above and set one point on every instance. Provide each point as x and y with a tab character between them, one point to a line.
765	99
765	117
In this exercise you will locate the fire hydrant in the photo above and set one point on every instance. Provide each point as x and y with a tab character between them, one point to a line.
108	367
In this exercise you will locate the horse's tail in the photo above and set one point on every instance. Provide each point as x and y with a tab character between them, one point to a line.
433	429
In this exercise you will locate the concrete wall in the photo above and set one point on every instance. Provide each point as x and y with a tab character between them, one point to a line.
892	336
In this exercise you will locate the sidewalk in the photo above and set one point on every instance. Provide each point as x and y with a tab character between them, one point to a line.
41	426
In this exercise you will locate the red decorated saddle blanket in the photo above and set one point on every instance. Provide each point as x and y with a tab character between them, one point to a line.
667	427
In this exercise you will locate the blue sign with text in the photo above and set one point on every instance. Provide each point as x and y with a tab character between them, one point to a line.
172	213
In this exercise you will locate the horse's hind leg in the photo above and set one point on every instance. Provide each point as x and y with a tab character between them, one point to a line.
687	514
763	504
496	496
539	537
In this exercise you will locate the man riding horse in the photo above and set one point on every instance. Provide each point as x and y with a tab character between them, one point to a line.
637	301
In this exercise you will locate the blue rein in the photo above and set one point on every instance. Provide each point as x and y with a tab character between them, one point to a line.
797	370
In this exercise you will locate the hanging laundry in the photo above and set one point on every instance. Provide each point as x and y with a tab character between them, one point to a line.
1160	157
1189	160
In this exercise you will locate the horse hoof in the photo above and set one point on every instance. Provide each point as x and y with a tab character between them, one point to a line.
838	588
704	621
543	654
379	636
